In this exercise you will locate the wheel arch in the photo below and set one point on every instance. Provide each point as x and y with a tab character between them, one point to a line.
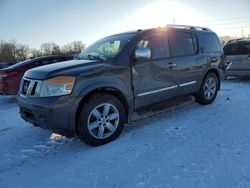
99	90
216	72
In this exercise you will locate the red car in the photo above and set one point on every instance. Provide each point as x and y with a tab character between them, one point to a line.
10	77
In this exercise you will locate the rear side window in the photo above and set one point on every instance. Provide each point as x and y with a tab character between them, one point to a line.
56	60
44	62
66	59
211	43
183	43
158	44
240	48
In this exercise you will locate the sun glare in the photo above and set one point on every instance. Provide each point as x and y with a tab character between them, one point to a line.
161	13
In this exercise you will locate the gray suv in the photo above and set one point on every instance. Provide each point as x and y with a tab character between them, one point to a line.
237	53
105	86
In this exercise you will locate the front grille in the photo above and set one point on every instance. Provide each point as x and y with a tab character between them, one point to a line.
31	87
26	84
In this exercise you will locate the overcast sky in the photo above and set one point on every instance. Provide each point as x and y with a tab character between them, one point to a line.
61	21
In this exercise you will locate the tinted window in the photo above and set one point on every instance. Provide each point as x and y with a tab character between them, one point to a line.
51	61
239	48
44	62
183	44
55	60
21	64
67	58
158	44
195	40
211	43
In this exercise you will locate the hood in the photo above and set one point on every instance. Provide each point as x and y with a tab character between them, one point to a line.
63	68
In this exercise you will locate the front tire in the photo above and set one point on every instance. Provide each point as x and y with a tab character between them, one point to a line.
209	89
101	120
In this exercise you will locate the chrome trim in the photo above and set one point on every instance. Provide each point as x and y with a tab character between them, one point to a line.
143	53
30	88
166	88
156	91
188	27
187	84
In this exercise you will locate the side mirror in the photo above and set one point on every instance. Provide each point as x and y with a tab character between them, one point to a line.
143	54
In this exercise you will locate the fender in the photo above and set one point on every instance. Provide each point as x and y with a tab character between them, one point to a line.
213	68
115	84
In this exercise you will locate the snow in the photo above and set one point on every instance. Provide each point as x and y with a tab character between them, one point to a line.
187	146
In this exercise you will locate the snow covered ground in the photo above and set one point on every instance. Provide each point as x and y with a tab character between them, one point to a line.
187	146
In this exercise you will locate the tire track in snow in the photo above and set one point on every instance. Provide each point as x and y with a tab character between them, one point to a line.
12	160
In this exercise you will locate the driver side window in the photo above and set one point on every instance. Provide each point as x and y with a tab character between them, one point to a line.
158	44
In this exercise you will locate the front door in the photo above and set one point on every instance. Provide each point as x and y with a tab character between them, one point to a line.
154	80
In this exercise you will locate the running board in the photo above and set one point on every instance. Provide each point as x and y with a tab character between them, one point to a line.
159	108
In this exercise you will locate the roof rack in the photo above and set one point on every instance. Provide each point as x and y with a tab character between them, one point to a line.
188	27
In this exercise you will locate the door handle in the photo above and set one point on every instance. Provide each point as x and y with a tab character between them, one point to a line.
171	65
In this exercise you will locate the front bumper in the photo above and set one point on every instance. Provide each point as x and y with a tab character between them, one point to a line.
53	113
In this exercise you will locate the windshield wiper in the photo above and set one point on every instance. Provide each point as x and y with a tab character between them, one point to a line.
96	58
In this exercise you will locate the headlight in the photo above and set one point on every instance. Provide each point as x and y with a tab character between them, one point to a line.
3	75
58	86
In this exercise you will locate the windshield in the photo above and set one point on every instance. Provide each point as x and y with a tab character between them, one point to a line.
106	48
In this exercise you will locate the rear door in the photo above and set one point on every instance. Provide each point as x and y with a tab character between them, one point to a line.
238	55
154	80
185	55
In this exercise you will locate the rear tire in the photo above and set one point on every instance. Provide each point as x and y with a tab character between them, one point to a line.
209	89
101	120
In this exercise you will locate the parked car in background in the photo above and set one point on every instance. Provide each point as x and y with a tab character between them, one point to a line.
5	64
107	85
11	76
237	53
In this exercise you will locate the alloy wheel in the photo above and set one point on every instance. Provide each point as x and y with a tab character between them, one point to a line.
103	121
210	88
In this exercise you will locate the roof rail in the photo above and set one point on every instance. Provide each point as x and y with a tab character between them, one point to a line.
188	27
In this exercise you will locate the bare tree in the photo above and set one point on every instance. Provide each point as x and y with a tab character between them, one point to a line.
22	52
8	51
35	53
50	48
12	51
73	47
78	46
